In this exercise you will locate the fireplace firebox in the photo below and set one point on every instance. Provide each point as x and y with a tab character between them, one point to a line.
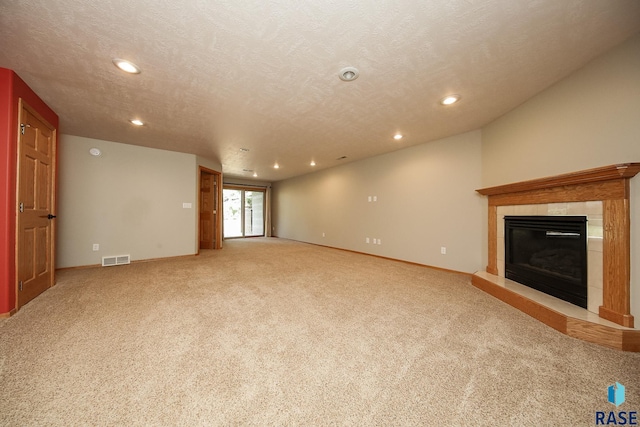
548	253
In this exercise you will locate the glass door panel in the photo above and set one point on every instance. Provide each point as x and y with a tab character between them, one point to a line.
232	203
253	213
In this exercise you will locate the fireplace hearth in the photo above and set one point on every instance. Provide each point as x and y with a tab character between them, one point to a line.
548	253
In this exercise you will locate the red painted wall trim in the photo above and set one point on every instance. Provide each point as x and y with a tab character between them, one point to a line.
7	193
12	88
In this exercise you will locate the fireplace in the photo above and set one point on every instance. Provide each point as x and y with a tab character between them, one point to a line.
575	193
548	253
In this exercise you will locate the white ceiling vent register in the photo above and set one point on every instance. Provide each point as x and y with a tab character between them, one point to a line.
349	74
108	261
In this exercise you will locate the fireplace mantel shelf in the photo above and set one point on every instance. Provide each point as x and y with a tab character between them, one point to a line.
608	184
606	173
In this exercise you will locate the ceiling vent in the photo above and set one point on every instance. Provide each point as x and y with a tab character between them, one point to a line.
109	261
349	74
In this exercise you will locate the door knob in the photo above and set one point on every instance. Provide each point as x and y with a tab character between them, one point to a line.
50	216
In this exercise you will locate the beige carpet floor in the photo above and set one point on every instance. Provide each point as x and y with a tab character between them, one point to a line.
274	332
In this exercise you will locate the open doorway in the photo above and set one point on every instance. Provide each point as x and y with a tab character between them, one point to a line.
244	212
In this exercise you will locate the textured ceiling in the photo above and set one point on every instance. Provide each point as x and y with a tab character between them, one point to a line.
222	75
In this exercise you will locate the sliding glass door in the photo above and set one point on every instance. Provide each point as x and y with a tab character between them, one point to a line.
243	211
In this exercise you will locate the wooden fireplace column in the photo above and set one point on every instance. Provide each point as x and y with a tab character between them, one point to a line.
609	184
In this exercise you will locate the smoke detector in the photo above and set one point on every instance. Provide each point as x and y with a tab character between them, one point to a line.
349	74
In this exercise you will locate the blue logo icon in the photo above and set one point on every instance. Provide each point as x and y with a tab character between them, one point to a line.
616	394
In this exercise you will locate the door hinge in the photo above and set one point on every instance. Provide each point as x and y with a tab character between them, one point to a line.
20	285
21	206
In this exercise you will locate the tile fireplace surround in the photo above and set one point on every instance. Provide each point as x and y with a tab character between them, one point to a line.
601	194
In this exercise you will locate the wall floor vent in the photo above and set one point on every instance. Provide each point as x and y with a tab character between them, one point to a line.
108	261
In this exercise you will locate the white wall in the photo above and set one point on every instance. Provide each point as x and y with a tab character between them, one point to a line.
208	163
587	120
426	200
590	119
128	200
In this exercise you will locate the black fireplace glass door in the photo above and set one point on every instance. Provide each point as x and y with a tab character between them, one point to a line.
548	253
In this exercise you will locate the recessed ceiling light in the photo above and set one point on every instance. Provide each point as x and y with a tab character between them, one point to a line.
95	152
126	66
276	166
312	163
451	99
349	74
397	136
137	122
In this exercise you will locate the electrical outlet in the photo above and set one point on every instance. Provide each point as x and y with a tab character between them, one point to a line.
369	198
323	234
379	241
96	247
366	240
375	198
443	250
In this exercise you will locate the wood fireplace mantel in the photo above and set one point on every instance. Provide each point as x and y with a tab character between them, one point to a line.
589	176
609	184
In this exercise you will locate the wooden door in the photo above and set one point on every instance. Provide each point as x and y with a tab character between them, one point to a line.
208	210
35	239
